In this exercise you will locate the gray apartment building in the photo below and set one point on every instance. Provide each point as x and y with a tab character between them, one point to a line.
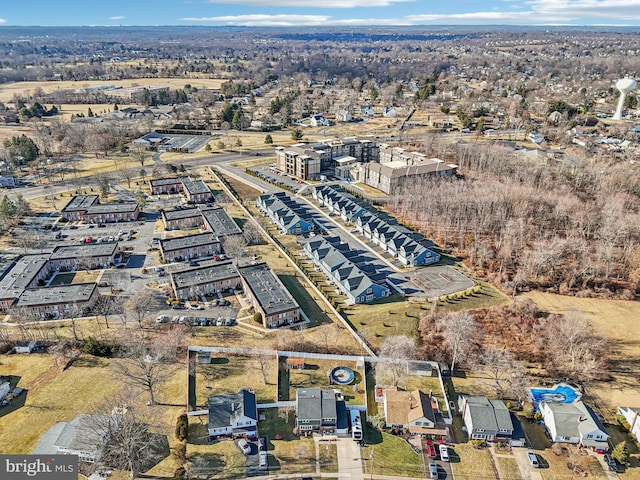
165	185
196	191
89	255
182	218
192	246
27	272
219	222
76	208
192	282
270	297
60	301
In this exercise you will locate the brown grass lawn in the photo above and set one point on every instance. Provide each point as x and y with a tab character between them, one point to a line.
473	462
393	456
219	460
557	465
508	468
616	320
228	374
245	192
315	375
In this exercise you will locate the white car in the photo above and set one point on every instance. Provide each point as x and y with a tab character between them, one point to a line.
244	446
161	319
195	307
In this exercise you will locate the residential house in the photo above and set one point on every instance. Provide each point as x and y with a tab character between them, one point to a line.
269	296
574	423
85	436
486	419
317	411
290	216
630	414
415	411
9	181
318	121
192	246
343	116
194	282
354	274
233	414
25	346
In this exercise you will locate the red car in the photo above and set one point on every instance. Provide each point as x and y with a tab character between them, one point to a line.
431	449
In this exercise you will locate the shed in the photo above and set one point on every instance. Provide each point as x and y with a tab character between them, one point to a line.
297	363
25	347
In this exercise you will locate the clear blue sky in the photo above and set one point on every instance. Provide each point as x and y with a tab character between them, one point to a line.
319	12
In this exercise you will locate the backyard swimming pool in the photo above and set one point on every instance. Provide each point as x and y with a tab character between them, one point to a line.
560	393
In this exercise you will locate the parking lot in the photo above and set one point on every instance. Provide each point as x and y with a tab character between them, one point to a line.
184	143
437	280
269	174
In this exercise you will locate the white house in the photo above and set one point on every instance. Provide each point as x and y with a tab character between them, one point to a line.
630	414
343	116
4	389
85	436
25	347
319	121
233	414
574	423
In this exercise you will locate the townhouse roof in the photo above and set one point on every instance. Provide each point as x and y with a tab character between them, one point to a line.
267	289
78	292
80	203
220	222
195	187
16	278
158	182
180	213
204	274
188	241
112	208
84	250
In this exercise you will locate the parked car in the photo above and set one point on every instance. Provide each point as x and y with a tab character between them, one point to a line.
262	444
162	319
195	307
193	263
611	462
244	446
178	306
229	321
263	461
444	453
219	322
431	449
183	320
533	458
433	470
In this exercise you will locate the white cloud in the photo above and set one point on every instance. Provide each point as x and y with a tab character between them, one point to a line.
117	17
2	20
319	4
257	20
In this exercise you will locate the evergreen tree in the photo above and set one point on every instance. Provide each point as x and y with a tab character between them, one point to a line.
268	139
621	453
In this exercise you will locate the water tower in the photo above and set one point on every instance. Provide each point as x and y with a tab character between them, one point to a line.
625	86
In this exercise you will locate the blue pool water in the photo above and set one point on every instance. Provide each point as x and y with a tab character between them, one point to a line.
561	393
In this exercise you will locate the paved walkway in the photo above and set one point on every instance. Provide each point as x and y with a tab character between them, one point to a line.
349	458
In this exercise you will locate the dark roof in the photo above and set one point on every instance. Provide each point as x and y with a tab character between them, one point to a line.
20	274
180	213
195	187
204	274
112	208
220	222
84	250
80	203
267	288
179	243
226	408
77	292
315	404
165	181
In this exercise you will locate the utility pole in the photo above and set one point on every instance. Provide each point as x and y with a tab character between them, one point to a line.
371	457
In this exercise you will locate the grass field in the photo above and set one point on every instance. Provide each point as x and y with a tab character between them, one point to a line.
393	456
468	462
617	320
508	468
315	375
7	91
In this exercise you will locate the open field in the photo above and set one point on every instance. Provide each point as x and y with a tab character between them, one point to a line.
617	320
7	91
468	462
227	374
392	456
315	374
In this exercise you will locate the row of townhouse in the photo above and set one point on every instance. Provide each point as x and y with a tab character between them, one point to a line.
290	216
409	247
354	274
89	209
189	247
213	219
195	191
22	284
264	289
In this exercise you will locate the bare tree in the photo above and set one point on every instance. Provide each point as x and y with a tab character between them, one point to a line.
234	246
139	304
262	363
459	329
139	154
144	366
127	174
395	352
497	362
252	234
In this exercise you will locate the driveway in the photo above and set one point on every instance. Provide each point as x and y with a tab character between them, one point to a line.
349	458
527	472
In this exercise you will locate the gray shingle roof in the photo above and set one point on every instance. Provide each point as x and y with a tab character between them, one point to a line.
226	408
